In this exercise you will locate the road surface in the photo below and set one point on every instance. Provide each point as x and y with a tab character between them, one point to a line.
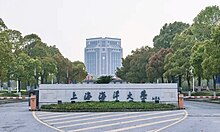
201	117
15	117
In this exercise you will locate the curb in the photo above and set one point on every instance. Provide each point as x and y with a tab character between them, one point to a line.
15	98
201	97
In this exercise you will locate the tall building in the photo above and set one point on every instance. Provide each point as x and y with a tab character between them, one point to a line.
103	56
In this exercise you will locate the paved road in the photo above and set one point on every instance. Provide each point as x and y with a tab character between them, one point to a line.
111	121
15	117
203	117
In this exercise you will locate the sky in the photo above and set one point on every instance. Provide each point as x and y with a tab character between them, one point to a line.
67	23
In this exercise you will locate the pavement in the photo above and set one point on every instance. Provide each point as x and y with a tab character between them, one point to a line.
198	117
110	121
15	117
202	117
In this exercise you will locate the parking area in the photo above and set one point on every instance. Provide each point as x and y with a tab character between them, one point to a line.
110	121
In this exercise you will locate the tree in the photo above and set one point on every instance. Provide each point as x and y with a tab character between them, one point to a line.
134	66
202	29
178	63
27	59
155	67
20	70
211	61
122	72
30	40
196	60
15	38
6	56
79	72
104	80
2	25
204	22
167	33
48	66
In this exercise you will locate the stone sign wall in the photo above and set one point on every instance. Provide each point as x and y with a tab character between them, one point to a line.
52	93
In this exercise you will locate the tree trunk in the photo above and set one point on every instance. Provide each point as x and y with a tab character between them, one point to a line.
67	80
188	80
1	84
58	79
28	83
180	81
173	79
162	79
207	83
42	79
169	79
36	81
46	80
199	80
19	85
9	83
214	82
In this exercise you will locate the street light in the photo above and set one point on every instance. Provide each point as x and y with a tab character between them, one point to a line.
193	85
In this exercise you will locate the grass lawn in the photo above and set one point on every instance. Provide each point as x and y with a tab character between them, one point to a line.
202	93
107	106
13	93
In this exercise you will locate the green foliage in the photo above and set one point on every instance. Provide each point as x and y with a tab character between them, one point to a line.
167	33
2	25
197	58
13	93
155	67
104	80
79	72
211	61
204	22
134	66
107	106
27	59
202	93
178	62
6	56
192	47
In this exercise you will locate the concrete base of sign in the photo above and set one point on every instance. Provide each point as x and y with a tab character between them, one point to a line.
52	93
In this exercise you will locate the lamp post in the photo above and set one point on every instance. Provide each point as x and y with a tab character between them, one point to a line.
193	85
17	85
52	79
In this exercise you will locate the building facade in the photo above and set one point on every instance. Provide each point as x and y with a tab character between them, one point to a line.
103	56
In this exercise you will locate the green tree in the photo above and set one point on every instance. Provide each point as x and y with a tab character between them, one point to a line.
124	70
178	63
204	22
79	73
211	61
6	56
155	67
167	33
202	28
134	66
196	60
20	69
104	79
48	66
15	38
2	25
